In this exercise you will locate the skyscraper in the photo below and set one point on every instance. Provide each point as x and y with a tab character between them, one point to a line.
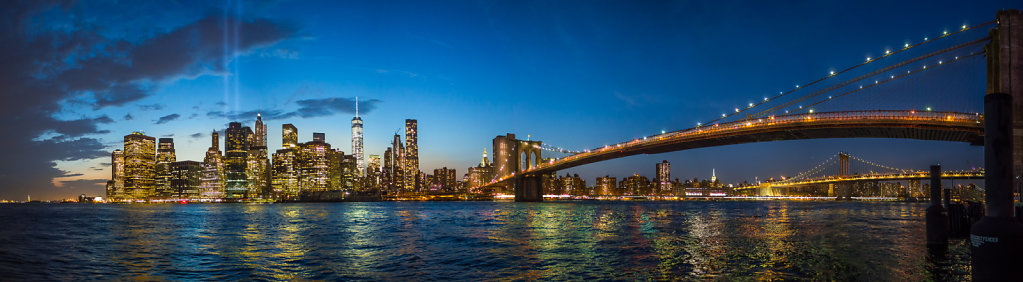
313	164
164	158
258	163
235	160
289	135
115	187
211	180
411	155
357	140
373	172
185	179
663	179
398	165
139	166
259	139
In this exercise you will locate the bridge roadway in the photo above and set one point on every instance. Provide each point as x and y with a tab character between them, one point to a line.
908	124
921	175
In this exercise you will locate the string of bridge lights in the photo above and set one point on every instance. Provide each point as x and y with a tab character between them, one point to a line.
879	165
887	52
891	78
811	171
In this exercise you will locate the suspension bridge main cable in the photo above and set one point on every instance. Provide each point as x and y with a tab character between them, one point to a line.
907	47
894	77
865	76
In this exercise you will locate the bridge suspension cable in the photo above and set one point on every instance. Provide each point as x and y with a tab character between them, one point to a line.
832	74
883	81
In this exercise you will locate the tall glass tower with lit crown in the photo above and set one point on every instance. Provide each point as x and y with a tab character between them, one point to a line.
357	140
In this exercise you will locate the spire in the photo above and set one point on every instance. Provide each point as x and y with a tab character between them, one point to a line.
484	163
356	106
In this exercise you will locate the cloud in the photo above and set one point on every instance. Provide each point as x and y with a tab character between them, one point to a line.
197	135
151	107
167	118
283	53
336	105
46	63
308	108
90	187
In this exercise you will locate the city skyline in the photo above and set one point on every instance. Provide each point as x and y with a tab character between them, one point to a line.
463	85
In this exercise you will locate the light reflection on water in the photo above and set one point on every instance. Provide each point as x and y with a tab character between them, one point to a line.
473	240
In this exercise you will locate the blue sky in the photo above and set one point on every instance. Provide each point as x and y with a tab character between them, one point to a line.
575	74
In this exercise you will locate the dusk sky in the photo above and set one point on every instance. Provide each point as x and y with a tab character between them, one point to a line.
78	76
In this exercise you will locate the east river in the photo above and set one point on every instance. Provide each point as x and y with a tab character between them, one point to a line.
621	240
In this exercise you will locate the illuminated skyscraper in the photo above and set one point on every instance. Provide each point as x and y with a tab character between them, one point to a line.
373	172
185	179
480	175
164	158
258	163
411	155
115	187
606	186
259	139
398	169
663	179
357	140
139	166
235	160
313	164
211	180
290	136
285	174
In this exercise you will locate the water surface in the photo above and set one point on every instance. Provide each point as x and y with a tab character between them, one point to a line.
472	240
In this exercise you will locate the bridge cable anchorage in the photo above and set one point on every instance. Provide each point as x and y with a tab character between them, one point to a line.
865	76
883	81
831	74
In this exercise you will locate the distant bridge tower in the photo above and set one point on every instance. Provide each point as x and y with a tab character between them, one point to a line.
843	164
514	156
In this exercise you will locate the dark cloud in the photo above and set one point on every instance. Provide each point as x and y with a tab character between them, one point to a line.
308	108
335	105
90	187
197	135
151	107
193	115
45	62
167	118
128	117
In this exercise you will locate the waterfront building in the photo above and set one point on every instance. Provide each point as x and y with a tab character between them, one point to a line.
444	179
258	163
289	136
335	169
164	157
350	173
606	186
313	165
357	140
411	170
481	174
211	181
635	185
139	166
373	173
185	179
115	187
574	185
236	144
284	178
398	169
387	171
663	184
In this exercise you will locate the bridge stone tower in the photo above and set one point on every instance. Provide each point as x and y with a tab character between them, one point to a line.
514	156
1005	75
